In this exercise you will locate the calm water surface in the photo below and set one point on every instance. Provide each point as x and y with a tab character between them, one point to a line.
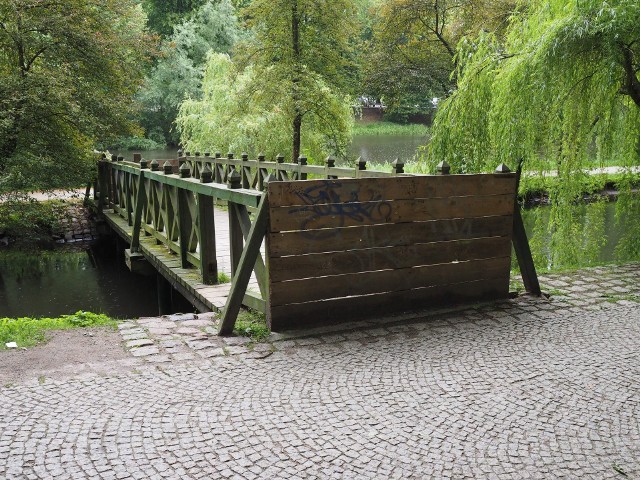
372	148
59	282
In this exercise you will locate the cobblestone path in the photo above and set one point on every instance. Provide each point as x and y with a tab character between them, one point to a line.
523	389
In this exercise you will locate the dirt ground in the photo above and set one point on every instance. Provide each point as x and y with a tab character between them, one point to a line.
67	353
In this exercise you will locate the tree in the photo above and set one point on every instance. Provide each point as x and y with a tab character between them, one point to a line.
178	73
69	71
165	14
233	116
300	53
413	49
561	92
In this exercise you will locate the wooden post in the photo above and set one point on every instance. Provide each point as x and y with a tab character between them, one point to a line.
235	229
141	201
280	174
302	161
245	171
330	163
102	180
207	232
163	289
520	241
361	166
217	168
259	268
185	224
262	172
243	272
443	168
397	166
137	157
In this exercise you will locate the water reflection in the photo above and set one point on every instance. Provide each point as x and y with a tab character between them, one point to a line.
56	283
584	235
372	148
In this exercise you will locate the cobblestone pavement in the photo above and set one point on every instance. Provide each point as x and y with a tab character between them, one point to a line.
527	388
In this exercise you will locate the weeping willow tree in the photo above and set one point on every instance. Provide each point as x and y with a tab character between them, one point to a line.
560	92
246	111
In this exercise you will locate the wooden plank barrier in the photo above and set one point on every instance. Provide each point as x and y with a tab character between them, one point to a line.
346	248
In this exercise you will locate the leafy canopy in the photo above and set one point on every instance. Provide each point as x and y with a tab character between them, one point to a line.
286	94
560	92
178	73
69	71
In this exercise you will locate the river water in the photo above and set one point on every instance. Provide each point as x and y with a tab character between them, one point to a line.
372	148
95	279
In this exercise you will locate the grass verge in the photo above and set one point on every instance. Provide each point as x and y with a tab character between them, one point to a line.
28	331
252	324
390	128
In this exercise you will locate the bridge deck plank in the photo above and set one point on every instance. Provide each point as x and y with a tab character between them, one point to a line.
188	281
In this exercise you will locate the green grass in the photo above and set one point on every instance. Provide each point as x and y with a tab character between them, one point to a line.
390	128
252	324
27	331
223	277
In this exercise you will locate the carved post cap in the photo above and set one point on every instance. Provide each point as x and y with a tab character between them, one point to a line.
244	156
197	154
280	158
443	168
330	161
120	158
167	168
143	164
302	160
185	170
114	158
361	164
207	154
230	155
398	166
187	154
261	157
234	179
218	155
155	165
502	168
180	152
206	175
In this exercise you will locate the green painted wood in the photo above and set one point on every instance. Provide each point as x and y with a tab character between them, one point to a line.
242	196
243	273
141	203
207	235
259	268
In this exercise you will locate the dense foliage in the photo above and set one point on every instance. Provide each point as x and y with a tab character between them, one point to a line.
560	92
69	70
287	91
180	68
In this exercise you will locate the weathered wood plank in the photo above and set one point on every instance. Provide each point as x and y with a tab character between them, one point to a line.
317	192
384	258
207	237
351	238
354	308
335	215
364	283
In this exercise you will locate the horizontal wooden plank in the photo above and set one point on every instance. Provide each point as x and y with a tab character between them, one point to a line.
337	263
354	284
348	214
383	235
353	308
317	192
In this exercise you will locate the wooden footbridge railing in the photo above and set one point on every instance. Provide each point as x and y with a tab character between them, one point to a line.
334	247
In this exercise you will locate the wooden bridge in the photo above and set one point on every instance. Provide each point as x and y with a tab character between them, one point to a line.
345	242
